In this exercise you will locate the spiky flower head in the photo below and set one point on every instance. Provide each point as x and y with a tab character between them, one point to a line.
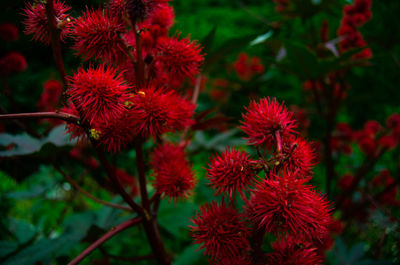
230	172
99	93
179	58
292	251
76	132
8	32
116	134
174	177
141	9
36	21
155	111
297	157
266	118
284	205
52	91
12	62
98	35
222	233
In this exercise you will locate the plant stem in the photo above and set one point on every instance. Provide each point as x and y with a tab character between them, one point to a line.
154	238
139	64
55	43
142	175
43	115
111	174
104	238
87	194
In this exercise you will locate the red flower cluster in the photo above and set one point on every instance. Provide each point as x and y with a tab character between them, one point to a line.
174	176
231	172
246	67
99	93
36	22
354	17
292	251
12	62
155	111
98	34
281	204
52	91
372	138
222	232
8	32
265	120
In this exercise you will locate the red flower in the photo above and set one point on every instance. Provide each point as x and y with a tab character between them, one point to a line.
230	172
141	9
346	181
266	118
100	93
52	91
117	133
179	58
12	62
388	141
246	67
291	251
163	16
283	205
221	232
174	176
8	32
156	111
298	156
393	121
98	35
36	21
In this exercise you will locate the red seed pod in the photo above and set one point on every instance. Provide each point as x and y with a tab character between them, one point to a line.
222	233
174	177
231	172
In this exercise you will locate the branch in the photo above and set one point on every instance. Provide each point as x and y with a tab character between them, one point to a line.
142	175
111	174
104	238
43	115
87	194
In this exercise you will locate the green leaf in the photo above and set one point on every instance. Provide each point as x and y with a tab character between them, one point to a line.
22	230
24	144
168	213
208	40
189	256
7	247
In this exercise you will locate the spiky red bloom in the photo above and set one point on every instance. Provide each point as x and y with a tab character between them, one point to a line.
99	92
284	205
117	133
8	32
98	35
264	119
36	22
180	58
222	233
298	156
174	175
291	251
163	16
156	111
52	90
12	62
141	9
230	172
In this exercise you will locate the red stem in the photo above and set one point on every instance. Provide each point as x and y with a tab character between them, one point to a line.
55	43
111	174
43	115
139	64
142	175
104	238
278	142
